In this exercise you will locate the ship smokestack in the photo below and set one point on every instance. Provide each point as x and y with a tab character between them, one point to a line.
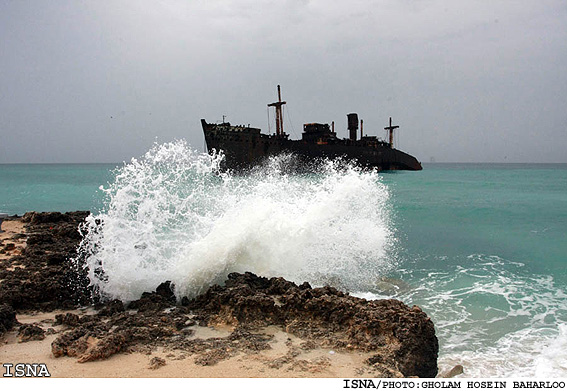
352	120
361	134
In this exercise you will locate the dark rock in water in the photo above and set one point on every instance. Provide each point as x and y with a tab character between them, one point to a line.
165	290
56	259
49	217
401	336
30	332
250	279
162	298
7	318
150	302
40	239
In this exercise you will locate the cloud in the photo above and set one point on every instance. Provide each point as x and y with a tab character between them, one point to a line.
452	73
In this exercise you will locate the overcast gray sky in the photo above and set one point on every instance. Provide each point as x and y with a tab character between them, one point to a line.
101	81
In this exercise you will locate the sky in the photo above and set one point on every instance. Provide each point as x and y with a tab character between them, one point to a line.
87	81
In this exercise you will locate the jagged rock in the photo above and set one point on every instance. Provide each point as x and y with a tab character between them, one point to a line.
162	298
150	302
156	362
401	339
7	318
30	332
165	290
212	357
402	336
47	279
68	319
106	347
47	217
112	307
67	344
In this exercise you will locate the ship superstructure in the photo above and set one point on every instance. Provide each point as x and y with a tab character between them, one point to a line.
245	146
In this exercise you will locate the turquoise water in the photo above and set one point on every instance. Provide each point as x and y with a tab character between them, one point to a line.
52	187
515	211
480	247
484	249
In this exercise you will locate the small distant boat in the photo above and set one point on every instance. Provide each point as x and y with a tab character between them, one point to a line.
244	146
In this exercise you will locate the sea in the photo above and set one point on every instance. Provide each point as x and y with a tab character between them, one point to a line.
481	248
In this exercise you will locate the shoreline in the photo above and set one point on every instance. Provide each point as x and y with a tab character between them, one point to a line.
156	337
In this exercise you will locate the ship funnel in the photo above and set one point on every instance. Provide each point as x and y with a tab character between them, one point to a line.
352	120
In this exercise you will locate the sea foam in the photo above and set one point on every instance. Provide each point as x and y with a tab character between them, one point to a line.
491	316
174	215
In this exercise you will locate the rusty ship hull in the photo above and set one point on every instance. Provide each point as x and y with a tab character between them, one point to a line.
245	146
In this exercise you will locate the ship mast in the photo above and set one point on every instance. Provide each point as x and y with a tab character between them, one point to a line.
391	130
279	116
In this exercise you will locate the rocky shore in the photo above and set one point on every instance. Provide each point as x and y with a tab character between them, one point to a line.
283	328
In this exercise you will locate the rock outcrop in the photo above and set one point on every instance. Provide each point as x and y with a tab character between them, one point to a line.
401	337
401	340
45	277
7	318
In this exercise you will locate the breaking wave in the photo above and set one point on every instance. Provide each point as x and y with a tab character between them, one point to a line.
490	315
174	215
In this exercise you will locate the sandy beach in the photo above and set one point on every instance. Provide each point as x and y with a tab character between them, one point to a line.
284	358
13	239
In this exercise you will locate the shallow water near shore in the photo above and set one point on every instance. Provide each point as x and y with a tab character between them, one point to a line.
481	248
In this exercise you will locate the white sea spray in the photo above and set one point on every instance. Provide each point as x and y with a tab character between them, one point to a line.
173	215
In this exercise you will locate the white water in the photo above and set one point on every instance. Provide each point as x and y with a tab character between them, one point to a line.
492	318
172	215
